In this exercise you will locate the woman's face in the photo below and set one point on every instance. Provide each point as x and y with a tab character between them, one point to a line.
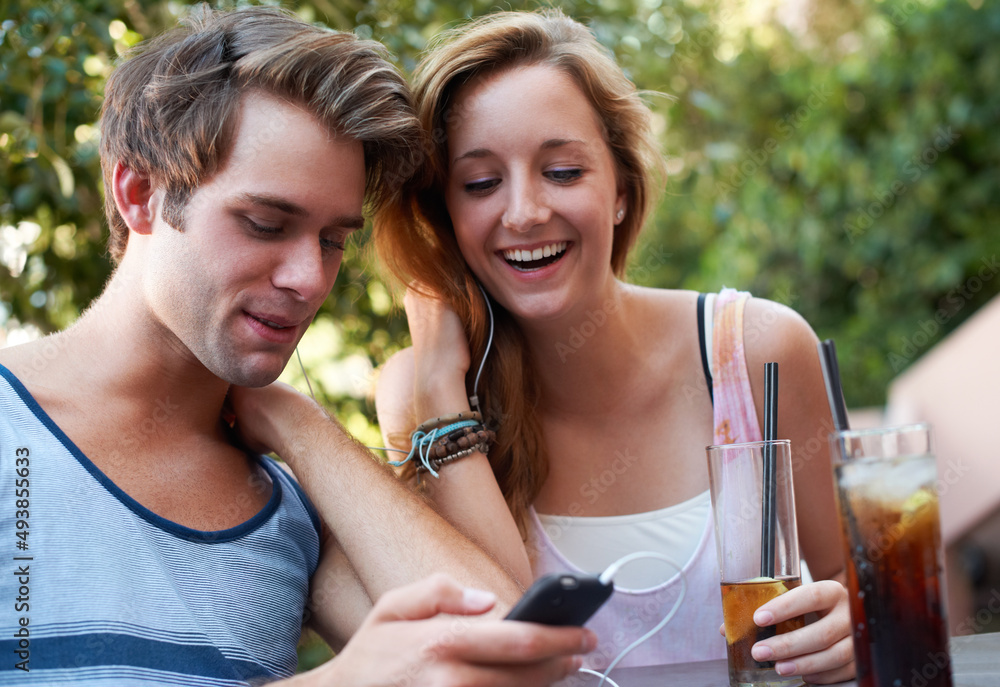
532	192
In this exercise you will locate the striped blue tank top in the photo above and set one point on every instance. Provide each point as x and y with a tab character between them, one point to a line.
95	589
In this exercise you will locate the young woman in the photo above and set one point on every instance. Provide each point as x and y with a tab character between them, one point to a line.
541	171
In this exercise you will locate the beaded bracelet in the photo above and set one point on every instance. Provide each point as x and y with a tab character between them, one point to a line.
436	463
461	439
421	443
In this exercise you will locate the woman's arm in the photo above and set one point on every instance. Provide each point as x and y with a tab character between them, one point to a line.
822	651
775	333
384	532
428	381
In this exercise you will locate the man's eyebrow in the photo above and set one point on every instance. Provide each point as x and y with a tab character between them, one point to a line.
274	203
352	222
289	208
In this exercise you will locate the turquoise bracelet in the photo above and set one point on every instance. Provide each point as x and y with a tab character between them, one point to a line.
422	442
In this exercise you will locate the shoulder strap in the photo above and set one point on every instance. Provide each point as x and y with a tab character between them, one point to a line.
703	347
734	410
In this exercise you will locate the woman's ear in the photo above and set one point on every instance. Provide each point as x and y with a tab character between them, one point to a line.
134	198
621	206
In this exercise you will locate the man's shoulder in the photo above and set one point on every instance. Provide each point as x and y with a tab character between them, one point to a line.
14	357
34	359
14	367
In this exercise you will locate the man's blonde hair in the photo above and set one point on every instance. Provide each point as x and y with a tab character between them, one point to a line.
171	105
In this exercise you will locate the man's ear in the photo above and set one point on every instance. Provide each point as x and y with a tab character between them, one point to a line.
133	192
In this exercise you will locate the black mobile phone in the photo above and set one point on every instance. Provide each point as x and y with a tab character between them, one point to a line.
562	599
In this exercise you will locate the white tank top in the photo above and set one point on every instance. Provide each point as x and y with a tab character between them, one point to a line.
594	543
644	594
691	635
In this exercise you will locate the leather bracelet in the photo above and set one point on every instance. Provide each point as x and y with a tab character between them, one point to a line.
436	422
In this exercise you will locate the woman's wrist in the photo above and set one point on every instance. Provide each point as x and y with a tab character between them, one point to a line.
438	399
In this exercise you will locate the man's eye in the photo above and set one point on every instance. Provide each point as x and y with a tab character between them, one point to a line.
564	175
481	186
331	244
262	228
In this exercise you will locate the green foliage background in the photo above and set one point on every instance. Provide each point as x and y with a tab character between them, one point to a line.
839	156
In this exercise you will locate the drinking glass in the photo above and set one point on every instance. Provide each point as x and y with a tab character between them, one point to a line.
743	531
892	544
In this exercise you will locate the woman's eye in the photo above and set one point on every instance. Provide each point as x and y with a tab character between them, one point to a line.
564	175
481	186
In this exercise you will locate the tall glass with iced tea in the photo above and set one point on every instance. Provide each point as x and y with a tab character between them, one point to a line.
736	472
892	542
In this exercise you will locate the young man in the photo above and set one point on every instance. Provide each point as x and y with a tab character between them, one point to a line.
140	544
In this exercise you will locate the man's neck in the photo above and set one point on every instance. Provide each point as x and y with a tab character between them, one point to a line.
118	357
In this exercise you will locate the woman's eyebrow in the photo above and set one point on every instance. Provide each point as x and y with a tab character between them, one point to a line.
559	142
479	153
475	154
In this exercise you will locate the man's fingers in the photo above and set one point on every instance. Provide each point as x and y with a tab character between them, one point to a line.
512	641
539	674
429	597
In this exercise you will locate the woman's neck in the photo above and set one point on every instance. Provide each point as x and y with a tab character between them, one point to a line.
593	356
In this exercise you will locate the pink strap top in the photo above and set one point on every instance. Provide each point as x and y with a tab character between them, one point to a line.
693	633
735	411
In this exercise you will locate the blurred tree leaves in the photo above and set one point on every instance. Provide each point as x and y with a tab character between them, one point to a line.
839	156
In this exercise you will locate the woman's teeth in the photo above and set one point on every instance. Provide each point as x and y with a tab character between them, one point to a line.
529	259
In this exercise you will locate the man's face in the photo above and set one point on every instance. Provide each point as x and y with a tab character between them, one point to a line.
261	245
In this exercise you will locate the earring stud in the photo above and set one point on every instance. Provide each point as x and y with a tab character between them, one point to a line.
620	215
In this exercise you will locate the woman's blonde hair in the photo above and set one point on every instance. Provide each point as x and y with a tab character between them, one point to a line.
415	237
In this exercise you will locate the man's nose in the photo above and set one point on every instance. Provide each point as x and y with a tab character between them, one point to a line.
305	271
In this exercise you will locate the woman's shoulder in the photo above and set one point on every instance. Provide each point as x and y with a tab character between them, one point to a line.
665	301
769	327
775	331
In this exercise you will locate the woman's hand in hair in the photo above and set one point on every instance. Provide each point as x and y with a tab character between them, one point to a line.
441	355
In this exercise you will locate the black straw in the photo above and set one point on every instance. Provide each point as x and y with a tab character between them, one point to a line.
834	390
769	520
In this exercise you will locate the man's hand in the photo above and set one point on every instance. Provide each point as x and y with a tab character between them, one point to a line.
406	641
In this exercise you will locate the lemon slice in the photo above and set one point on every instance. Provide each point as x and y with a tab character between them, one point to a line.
917	500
